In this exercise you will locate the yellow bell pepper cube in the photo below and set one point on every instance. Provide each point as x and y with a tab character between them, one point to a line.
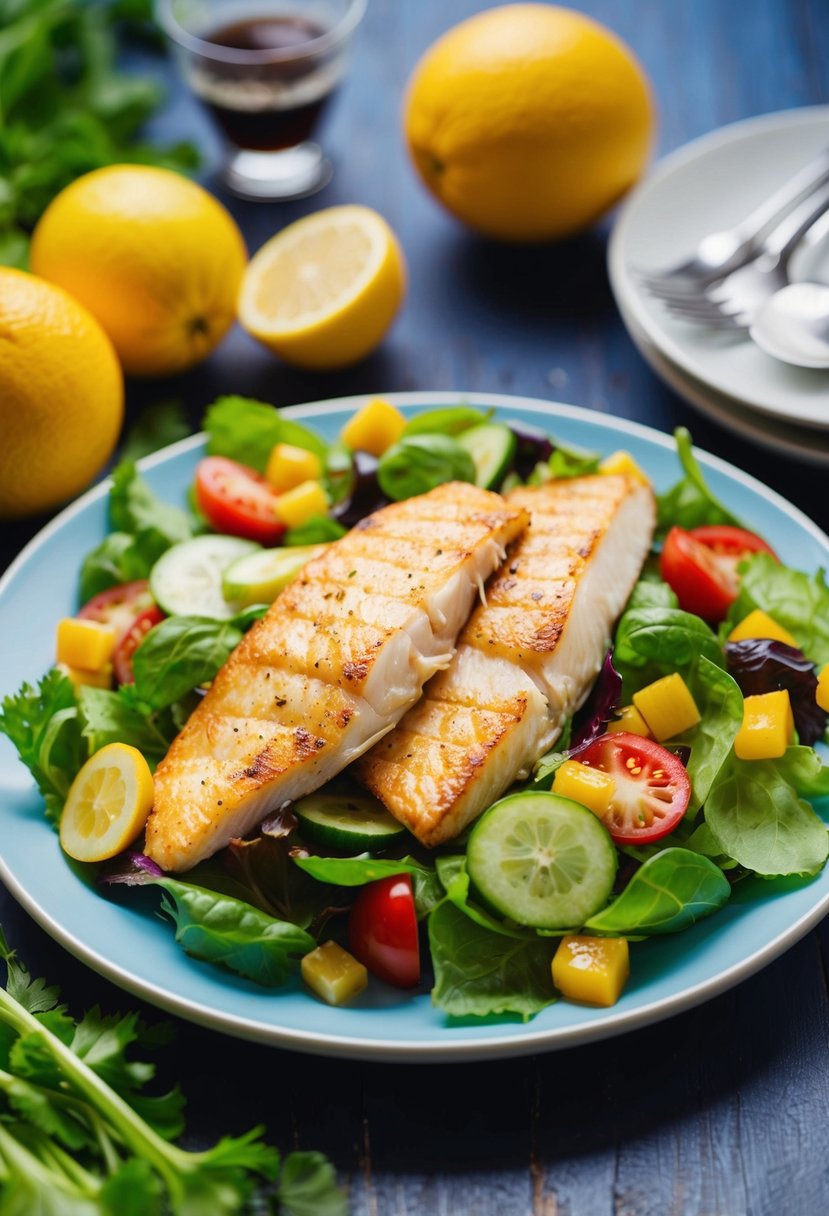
768	726
85	644
667	706
300	504
91	679
759	624
374	428
289	466
822	694
622	462
629	720
593	970
333	974
589	786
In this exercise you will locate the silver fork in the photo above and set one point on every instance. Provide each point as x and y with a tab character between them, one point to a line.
720	253
732	302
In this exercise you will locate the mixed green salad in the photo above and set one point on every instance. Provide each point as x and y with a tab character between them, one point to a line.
691	767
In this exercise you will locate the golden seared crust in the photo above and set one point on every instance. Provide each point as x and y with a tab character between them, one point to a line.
292	704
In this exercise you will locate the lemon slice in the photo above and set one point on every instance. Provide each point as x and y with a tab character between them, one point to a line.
324	290
107	805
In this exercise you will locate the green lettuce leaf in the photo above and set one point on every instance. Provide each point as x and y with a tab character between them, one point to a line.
797	601
668	893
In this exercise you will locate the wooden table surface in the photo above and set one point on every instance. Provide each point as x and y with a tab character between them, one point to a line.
718	1112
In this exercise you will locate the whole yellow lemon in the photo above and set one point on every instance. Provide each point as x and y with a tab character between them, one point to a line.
61	395
529	121
152	255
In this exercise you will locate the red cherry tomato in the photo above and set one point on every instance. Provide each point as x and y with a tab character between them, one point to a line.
701	566
131	640
237	501
382	931
652	786
119	606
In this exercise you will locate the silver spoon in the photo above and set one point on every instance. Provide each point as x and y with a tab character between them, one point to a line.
793	325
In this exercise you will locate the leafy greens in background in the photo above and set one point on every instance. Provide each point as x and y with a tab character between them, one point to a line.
66	107
247	430
80	1137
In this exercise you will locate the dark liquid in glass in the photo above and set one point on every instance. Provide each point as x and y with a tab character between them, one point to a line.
276	123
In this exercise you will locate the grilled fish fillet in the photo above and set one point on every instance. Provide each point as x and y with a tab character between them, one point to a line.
525	661
341	655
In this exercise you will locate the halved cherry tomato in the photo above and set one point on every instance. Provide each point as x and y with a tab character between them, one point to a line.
701	566
652	786
237	501
131	640
119	606
382	931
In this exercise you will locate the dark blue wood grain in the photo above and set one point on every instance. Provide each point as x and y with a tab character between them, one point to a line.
722	1111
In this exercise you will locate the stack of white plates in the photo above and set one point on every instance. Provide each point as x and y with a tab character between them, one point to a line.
709	185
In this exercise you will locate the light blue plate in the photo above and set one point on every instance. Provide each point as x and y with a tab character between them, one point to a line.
126	941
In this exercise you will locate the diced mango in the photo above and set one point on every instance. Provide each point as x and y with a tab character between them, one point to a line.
593	970
333	974
589	786
85	644
759	624
822	694
289	466
667	706
768	726
622	462
92	679
374	428
629	720
300	504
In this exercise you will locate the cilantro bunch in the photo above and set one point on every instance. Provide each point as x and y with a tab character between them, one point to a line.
65	107
80	1137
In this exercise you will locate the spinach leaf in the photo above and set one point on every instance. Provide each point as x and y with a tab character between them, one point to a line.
668	893
720	702
451	420
219	929
43	725
479	972
247	431
652	592
653	642
356	871
690	503
419	463
106	717
318	530
798	601
179	654
757	818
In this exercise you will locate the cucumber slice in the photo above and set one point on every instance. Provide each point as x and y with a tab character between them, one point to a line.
258	578
542	860
492	448
187	579
342	822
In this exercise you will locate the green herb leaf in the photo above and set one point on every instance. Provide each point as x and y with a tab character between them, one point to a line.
653	642
451	420
797	601
43	725
690	503
179	654
222	930
134	508
668	893
107	717
757	818
318	530
419	463
159	425
247	431
356	871
308	1187
479	972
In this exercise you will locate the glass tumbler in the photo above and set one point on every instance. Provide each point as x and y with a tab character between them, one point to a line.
265	70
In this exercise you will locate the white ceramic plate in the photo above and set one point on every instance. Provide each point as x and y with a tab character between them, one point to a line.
799	443
125	940
711	184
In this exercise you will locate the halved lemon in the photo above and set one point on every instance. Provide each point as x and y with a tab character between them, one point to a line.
108	804
324	290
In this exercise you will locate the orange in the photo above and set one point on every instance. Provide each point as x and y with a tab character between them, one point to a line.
152	255
529	121
61	395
